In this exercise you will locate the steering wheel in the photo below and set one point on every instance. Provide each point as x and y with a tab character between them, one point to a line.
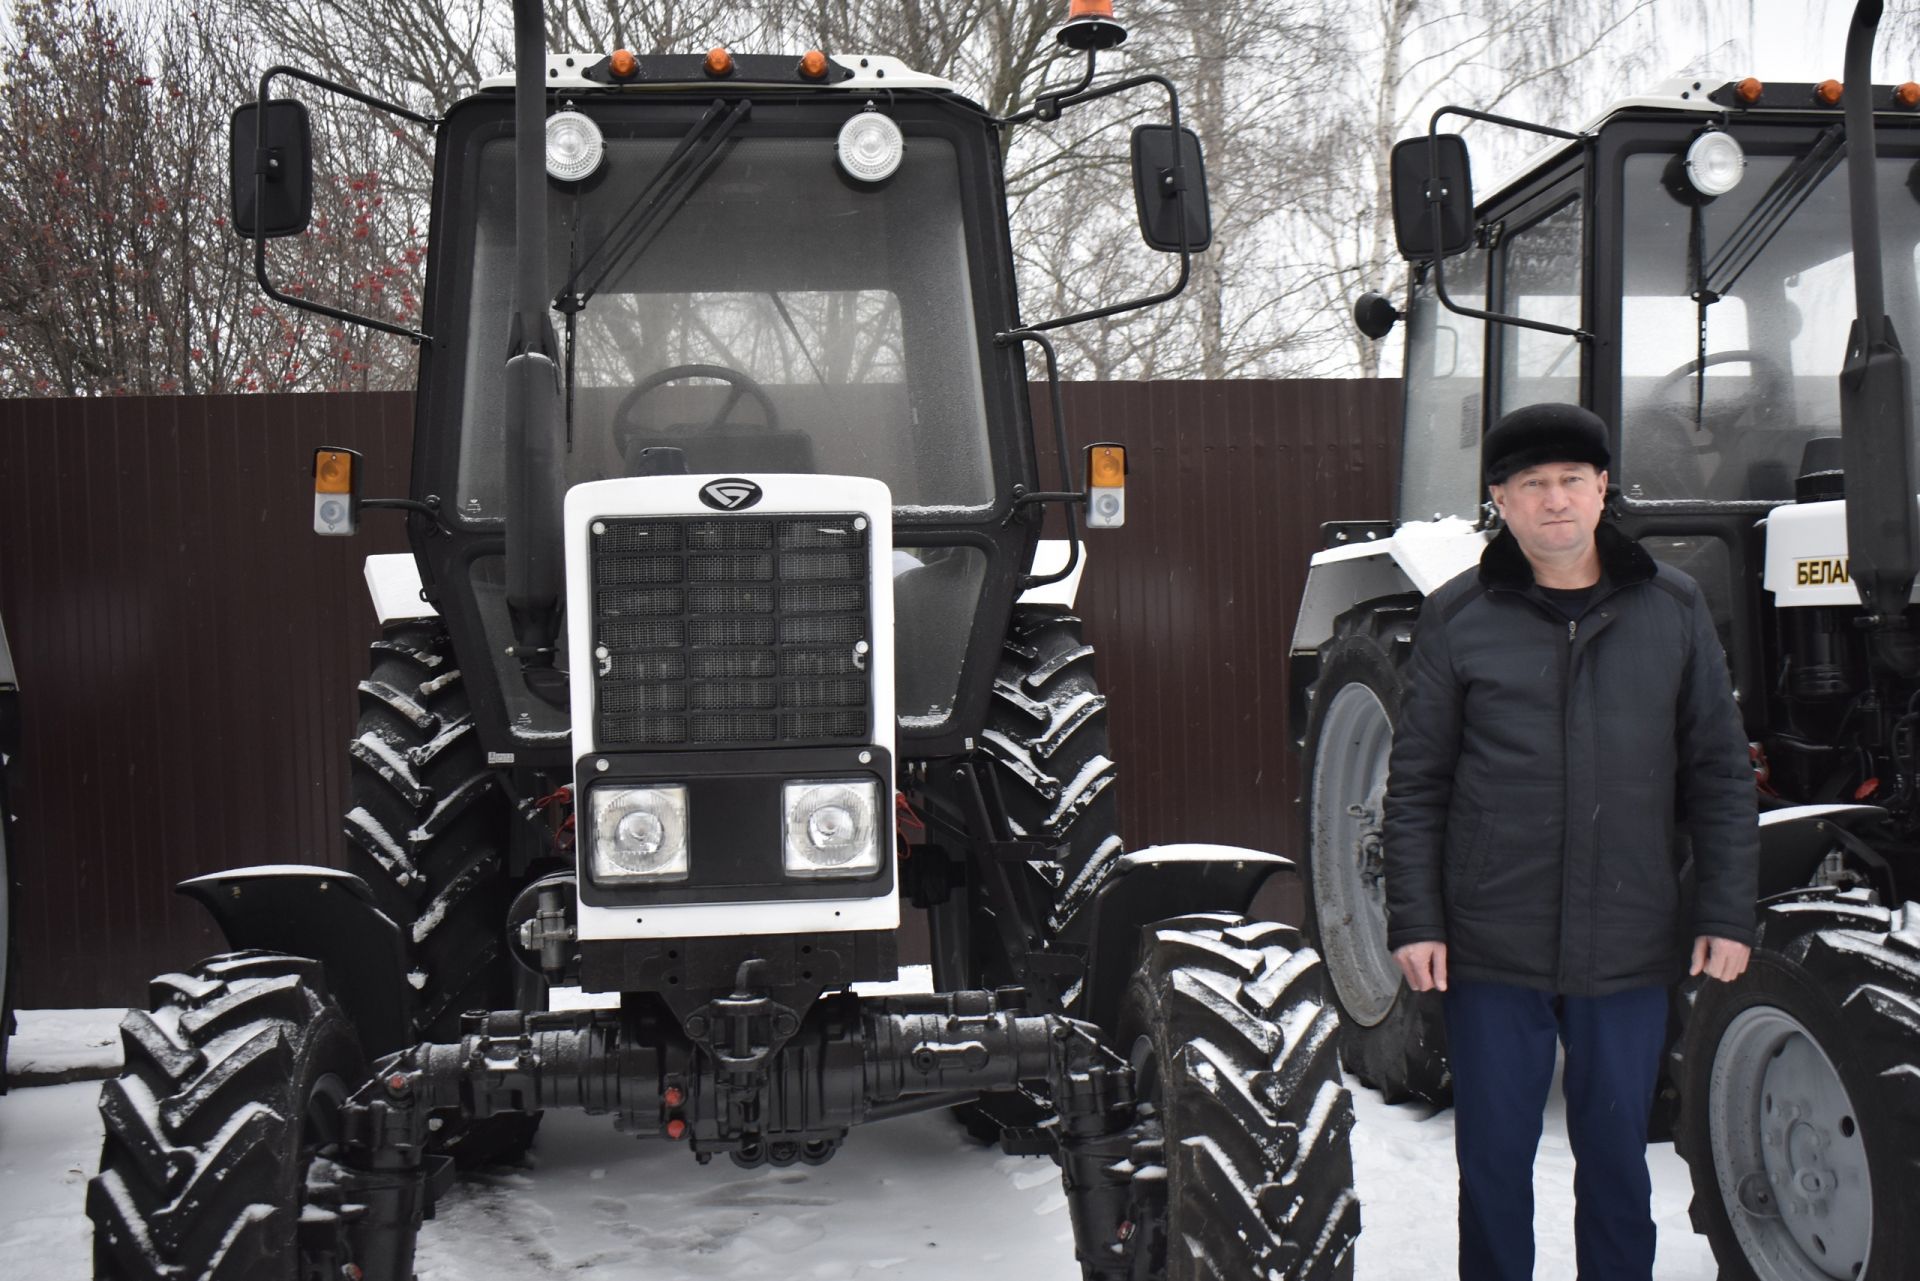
1770	386
625	422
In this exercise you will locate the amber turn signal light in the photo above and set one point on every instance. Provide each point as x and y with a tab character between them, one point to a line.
332	471
1089	9
1107	465
719	61
1749	90
1106	486
1908	95
1827	93
335	490
813	64
623	64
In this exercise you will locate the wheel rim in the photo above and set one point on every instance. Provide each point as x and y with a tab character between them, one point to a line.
1349	890
1787	1152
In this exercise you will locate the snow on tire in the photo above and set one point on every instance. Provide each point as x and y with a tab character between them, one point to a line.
1395	1039
229	1096
1800	1106
426	828
1241	1164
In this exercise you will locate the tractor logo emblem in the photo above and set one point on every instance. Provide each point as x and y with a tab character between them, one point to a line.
729	495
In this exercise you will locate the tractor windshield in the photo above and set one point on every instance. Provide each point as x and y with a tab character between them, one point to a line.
1718	398
783	319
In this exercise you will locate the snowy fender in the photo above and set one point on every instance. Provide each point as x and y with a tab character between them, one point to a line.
427	826
1800	1114
1394	1038
1241	1166
218	1123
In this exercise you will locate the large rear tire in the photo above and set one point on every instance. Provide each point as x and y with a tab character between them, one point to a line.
230	1095
1241	1161
1047	733
1393	1038
426	827
1800	1104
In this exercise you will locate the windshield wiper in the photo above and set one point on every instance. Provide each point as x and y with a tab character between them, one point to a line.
1715	277
693	158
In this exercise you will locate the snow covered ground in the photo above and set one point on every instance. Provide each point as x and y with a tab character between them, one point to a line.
908	1196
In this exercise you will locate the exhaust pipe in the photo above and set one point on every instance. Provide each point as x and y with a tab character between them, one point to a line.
534	548
1876	407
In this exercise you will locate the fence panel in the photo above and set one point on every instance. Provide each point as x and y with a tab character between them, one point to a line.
188	651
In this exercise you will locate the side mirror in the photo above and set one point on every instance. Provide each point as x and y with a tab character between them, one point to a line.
1415	180
1155	194
1374	315
285	142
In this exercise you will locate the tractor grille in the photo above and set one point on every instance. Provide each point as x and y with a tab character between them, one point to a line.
730	632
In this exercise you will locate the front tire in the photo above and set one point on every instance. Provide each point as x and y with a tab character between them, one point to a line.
1241	1160
1393	1038
230	1094
1800	1113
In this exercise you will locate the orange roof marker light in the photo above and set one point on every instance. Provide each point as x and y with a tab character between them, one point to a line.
335	491
623	64
1907	95
719	61
813	64
1827	93
1749	90
1090	27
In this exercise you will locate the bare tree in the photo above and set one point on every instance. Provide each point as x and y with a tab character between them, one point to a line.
1550	60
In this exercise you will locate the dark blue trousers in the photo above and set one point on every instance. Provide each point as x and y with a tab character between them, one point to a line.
1500	1040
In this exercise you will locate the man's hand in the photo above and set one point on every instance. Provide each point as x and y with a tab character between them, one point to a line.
1722	959
1425	965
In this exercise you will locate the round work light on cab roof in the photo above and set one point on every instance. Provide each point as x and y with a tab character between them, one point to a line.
870	146
1715	163
574	146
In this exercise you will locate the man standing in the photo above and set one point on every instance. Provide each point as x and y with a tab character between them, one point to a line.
1568	707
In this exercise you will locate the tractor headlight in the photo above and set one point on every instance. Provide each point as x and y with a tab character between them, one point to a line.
574	146
1715	163
870	146
832	828
639	833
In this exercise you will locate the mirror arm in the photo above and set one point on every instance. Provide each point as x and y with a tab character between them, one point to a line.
260	166
1046	106
1180	188
1437	221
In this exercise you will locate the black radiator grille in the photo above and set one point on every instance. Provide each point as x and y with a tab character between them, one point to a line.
735	631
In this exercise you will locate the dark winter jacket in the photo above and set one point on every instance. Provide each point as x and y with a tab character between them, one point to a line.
1542	768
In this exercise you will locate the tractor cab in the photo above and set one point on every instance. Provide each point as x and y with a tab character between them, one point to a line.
1683	267
762	274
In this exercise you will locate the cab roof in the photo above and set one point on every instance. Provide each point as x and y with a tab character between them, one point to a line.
855	72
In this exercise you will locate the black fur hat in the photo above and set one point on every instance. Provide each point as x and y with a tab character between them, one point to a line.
1535	434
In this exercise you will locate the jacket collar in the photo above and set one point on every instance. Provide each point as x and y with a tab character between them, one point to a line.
1623	562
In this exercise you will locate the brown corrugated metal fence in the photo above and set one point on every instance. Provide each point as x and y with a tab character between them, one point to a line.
188	651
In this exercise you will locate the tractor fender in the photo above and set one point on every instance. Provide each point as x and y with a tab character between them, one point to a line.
1416	557
1795	838
1157	884
328	915
393	582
